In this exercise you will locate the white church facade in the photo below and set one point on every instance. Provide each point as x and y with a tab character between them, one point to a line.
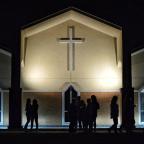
67	55
71	54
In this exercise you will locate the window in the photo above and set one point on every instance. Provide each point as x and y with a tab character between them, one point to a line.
141	102
1	107
70	94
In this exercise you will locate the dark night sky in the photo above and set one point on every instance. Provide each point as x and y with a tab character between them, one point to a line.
128	14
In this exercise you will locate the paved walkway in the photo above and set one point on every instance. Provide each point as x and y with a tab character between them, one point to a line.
53	130
62	136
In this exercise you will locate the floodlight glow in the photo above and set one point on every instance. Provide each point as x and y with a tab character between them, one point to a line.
36	74
34	77
109	79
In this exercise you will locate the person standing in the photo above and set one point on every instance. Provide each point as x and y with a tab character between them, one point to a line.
82	112
28	109
95	107
73	116
114	113
88	116
35	113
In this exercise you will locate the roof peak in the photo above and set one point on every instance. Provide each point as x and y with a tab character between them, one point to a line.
69	9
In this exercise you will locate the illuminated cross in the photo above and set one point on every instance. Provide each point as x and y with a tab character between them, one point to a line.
71	40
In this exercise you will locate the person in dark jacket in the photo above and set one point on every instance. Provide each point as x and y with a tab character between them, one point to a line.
28	110
95	107
35	113
73	116
114	113
88	115
82	112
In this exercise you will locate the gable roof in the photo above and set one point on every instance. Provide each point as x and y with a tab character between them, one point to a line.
75	15
5	50
74	9
137	49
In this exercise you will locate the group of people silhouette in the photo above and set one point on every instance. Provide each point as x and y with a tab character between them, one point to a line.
31	113
84	115
81	115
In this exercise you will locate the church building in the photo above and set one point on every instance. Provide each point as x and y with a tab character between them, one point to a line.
70	54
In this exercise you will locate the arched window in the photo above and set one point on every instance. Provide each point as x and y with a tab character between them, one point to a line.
69	92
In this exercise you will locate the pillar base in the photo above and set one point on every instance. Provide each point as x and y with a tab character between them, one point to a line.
128	121
15	109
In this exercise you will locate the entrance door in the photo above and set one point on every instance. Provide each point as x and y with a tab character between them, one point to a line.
69	94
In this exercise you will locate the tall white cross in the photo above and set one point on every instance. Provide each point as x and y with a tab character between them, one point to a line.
71	40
